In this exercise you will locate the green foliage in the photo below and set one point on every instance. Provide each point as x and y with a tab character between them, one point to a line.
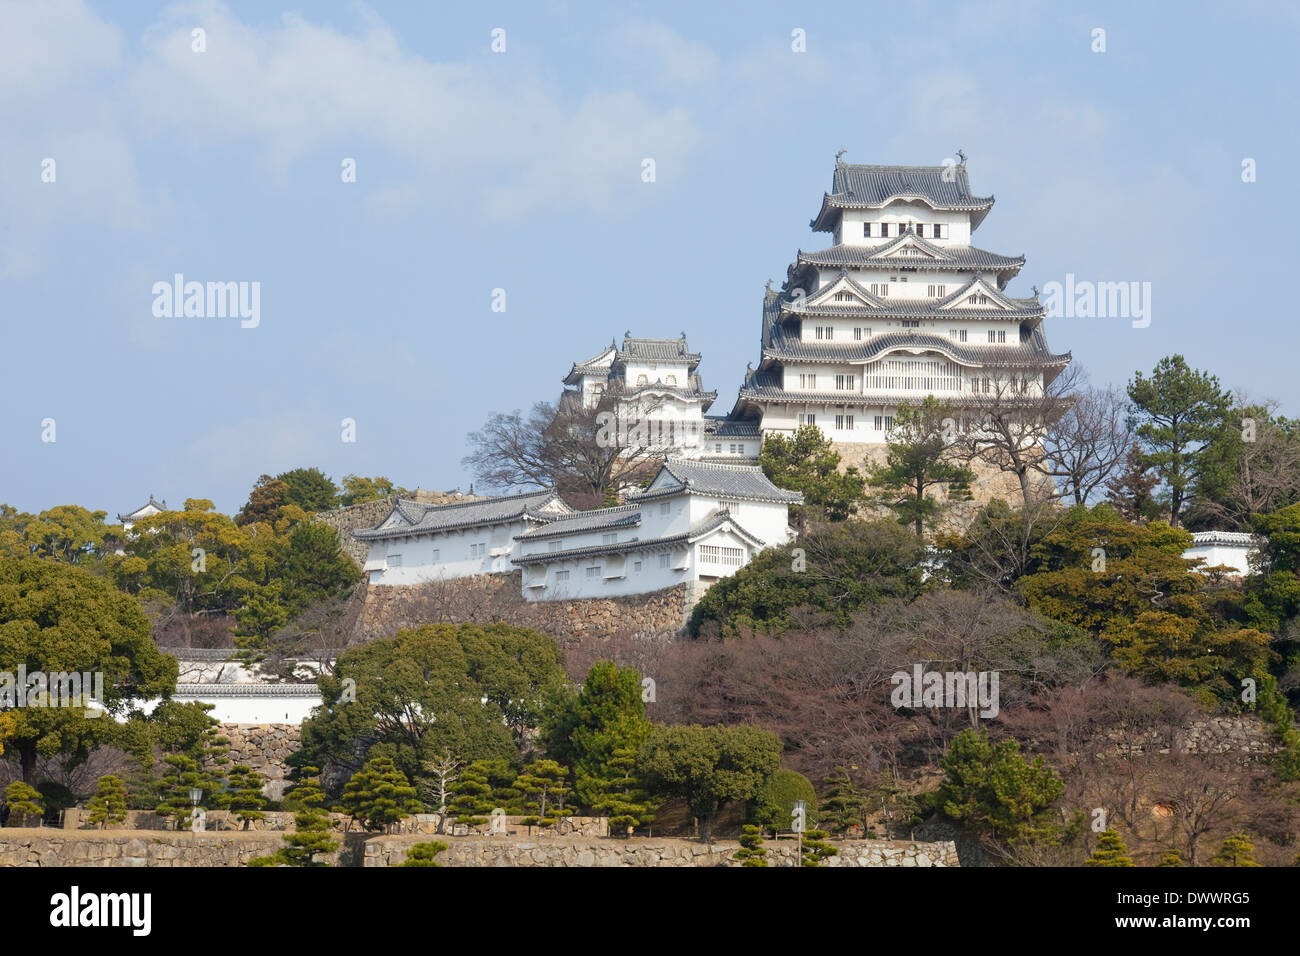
55	618
710	767
1110	851
1237	850
268	496
108	805
993	788
840	569
473	796
420	694
1180	413
816	849
751	852
620	794
309	489
422	854
311	838
246	799
842	804
1280	718
1171	858
378	795
183	773
808	462
67	533
358	490
920	456
547	783
24	800
773	806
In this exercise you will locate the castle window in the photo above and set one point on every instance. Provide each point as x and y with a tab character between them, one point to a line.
636	567
437	555
593	572
717	449
557	545
911	323
866	229
878	422
394	560
671	379
663	560
889	422
642	380
561	576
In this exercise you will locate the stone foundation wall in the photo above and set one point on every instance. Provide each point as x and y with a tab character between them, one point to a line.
369	514
496	597
134	848
391	851
265	748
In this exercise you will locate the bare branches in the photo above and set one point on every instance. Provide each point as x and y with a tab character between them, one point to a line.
1087	444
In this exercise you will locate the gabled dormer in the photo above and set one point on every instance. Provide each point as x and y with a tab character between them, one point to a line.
979	294
843	292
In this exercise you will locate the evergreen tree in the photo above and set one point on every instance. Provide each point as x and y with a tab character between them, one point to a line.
808	462
1171	858
816	849
422	854
24	800
183	773
1237	850
546	781
472	795
751	852
378	795
842	805
621	796
245	794
1110	851
108	805
1132	491
1179	412
994	788
311	837
921	455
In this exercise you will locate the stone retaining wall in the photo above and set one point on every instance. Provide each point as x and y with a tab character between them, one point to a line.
265	748
134	848
391	851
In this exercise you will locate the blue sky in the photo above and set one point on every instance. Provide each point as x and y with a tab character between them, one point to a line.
522	171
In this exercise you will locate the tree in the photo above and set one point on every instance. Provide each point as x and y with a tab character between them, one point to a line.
588	454
546	781
61	620
24	800
842	804
993	788
472	796
246	797
108	805
807	462
921	455
620	794
835	569
1087	443
1012	419
473	690
182	774
444	771
1257	470
710	767
422	854
773	806
1110	851
378	795
310	489
751	852
264	502
814	848
357	490
1171	857
67	533
1237	850
1131	491
1179	412
311	838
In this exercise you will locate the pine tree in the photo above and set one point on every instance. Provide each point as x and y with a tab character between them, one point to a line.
24	800
245	794
751	852
422	854
1237	850
1171	858
379	794
1110	851
108	805
472	795
182	774
842	805
311	837
816	849
545	780
620	796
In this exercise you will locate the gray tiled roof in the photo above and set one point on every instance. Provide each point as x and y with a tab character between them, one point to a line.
429	518
714	519
946	257
582	522
866	187
742	481
657	350
160	505
190	691
731	428
1034	353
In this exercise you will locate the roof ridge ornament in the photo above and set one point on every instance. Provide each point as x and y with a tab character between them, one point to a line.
839	157
962	156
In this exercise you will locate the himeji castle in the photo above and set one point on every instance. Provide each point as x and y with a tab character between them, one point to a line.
902	305
659	388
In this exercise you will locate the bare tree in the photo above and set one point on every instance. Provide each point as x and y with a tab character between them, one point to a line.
1087	443
445	771
1012	412
587	453
1267	472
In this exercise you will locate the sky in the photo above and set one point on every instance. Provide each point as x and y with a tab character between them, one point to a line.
521	169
